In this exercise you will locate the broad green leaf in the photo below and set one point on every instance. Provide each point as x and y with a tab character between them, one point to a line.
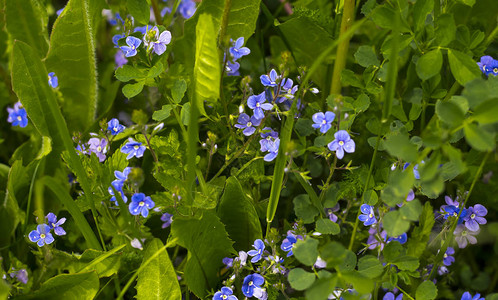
449	113
420	11
393	250
127	73
445	29
479	138
370	266
178	90
326	226
4	290
130	90
429	64
237	212
207	66
10	214
384	16
463	67
487	112
398	186
304	209
361	283
406	263
79	286
371	197
207	243
24	22
72	57
163	113
140	10
242	18
420	234
300	280
157	280
426	290
400	146
105	264
322	288
481	90
306	251
366	57
395	224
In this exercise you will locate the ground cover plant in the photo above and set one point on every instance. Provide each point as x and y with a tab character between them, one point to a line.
248	149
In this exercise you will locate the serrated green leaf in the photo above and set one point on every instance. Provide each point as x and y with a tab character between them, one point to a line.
370	266
479	138
207	67
306	251
449	113
406	263
69	286
429	64
130	90
157	280
178	90
237	212
426	290
365	56
326	226
207	243
140	10
163	113
72	57
463	67
393	250
300	280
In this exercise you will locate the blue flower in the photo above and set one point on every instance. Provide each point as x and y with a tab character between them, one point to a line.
133	43
120	59
257	103
273	149
99	147
59	12
330	212
288	244
116	38
453	211
269	80
416	173
53	81
342	143
118	184
287	90
259	245
113	198
232	68
247	123
448	259
41	235
17	115
114	127
56	225
368	216
160	40
323	121
141	29
237	51
140	204
21	275
187	8
133	148
463	236
474	217
488	65
167	219
391	296
468	296
268	136
228	262
250	283
401	238
224	294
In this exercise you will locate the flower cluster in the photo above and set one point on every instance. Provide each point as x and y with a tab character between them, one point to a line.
488	65
236	51
42	235
17	115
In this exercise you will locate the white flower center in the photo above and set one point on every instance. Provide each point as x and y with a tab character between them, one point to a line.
250	283
464	233
19	118
324	122
42	236
115	129
136	147
370	216
258	104
54	225
472	216
249	124
495	70
141	203
225	296
99	149
341	143
455	214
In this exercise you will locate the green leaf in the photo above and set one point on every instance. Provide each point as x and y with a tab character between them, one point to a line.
429	64
365	56
370	266
361	283
24	22
237	212
207	66
69	286
449	112
4	290
242	18
130	90
10	213
399	145
420	234
463	67
300	280
163	113
140	10
399	184
411	210
306	251
157	280
178	90
207	243
72	57
487	112
371	197
392	251
479	138
304	209
420	11
104	263
445	29
326	226
406	263
127	73
385	17
481	90
395	224
426	290
468	2
361	103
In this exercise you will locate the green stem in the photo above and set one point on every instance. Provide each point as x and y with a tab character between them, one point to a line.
30	196
342	49
224	23
405	293
157	12
449	238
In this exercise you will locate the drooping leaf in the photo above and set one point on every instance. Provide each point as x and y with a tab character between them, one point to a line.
72	57
157	280
237	212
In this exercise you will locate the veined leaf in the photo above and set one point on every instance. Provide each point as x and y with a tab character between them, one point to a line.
157	280
463	67
24	22
79	286
72	57
207	69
